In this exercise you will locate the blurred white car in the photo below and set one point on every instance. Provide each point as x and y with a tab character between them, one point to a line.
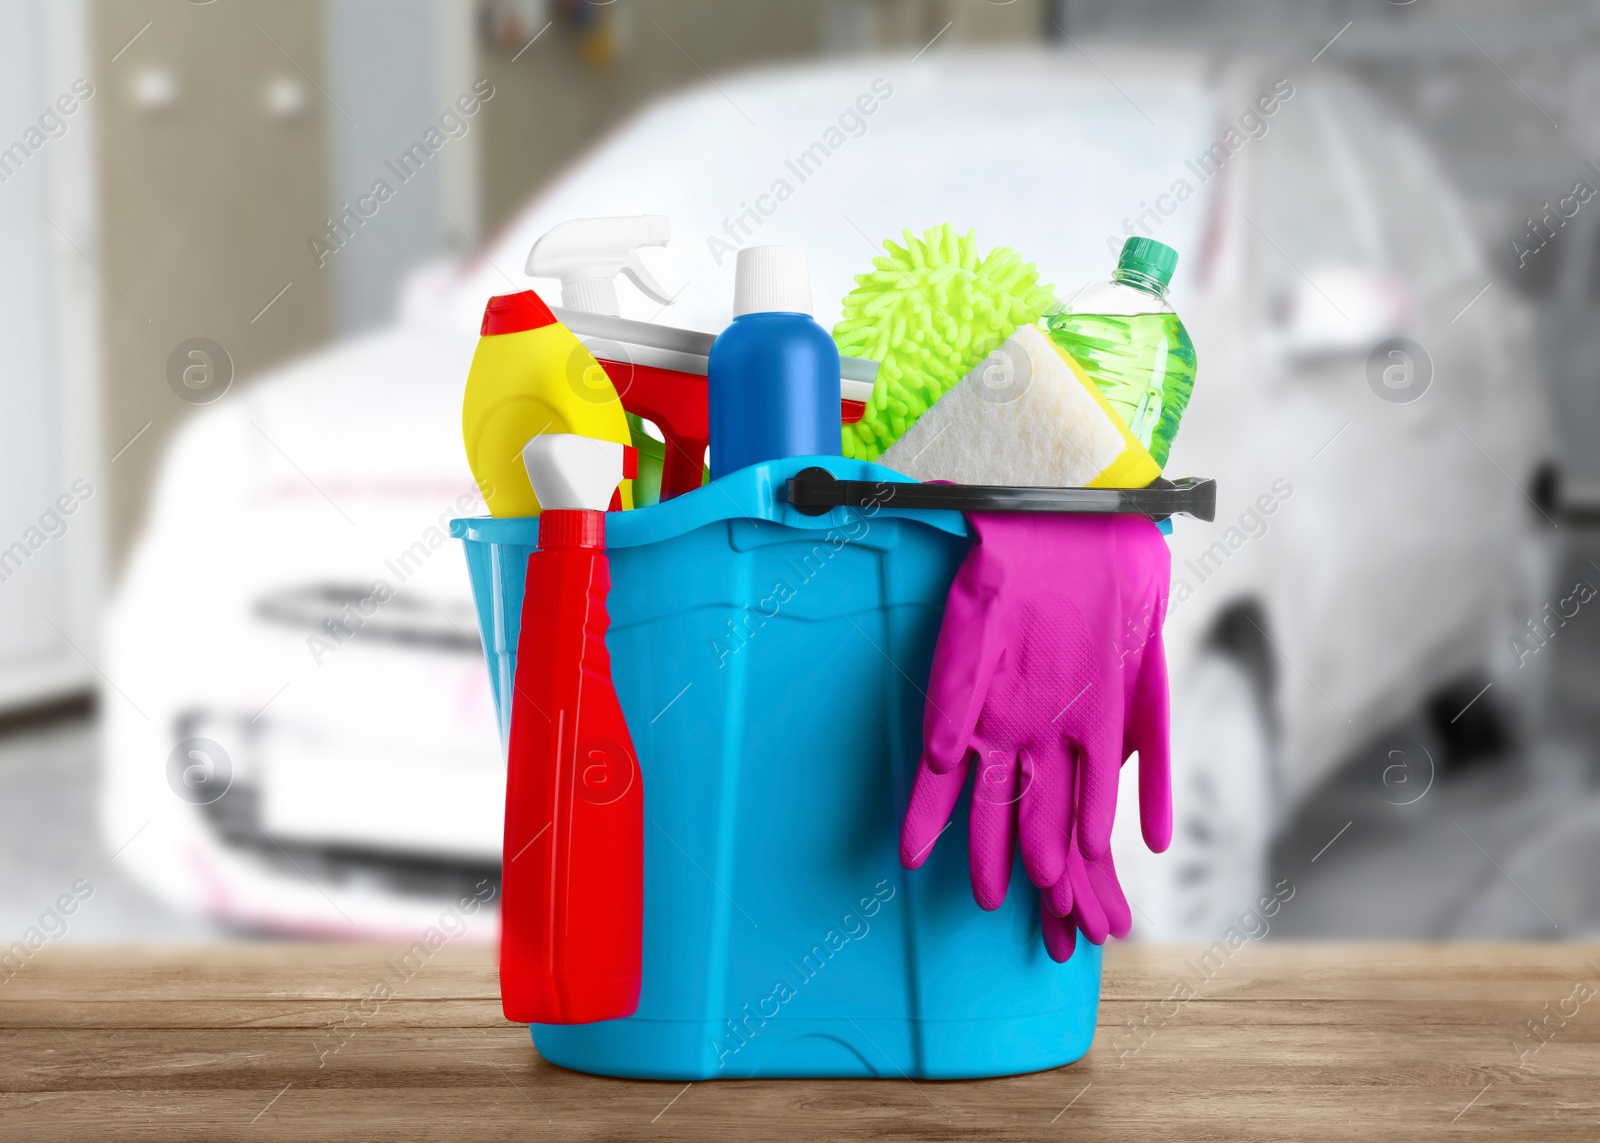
1376	537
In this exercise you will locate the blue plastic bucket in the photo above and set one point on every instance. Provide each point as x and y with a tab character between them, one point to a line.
772	666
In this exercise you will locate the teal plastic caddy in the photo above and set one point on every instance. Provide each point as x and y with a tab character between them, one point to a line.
772	666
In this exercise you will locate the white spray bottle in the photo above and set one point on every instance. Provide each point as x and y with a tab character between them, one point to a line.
588	253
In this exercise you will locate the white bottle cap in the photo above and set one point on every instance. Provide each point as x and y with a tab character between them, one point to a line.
572	471
771	279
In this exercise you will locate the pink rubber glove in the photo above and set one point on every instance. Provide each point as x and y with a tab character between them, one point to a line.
1089	897
1049	670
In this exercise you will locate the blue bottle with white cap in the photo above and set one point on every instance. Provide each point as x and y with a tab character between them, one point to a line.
773	375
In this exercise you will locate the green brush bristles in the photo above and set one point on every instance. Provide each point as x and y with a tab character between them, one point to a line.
928	313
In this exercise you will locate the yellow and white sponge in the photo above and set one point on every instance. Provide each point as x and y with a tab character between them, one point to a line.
1025	415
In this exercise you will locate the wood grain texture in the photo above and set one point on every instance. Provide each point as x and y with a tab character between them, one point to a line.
1284	1042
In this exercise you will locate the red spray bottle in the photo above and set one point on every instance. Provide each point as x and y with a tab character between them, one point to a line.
572	907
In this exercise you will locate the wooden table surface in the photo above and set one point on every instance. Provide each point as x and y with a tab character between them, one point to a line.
1286	1041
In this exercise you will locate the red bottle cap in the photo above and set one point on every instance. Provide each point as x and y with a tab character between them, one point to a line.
571	528
513	313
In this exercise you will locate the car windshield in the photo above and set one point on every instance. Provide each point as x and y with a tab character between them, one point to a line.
1044	153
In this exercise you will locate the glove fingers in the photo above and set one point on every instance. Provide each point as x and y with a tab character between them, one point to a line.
1086	910
933	797
972	640
1098	767
1149	712
1108	892
1044	812
993	838
1060	936
1150	732
1058	897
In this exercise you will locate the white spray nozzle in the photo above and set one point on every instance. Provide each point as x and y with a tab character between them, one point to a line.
572	471
588	253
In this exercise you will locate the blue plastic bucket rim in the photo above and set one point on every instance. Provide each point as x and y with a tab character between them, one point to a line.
753	493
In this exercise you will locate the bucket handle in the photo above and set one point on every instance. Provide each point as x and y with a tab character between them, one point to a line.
814	491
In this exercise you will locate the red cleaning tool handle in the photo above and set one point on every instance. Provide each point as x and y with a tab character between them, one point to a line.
572	904
676	402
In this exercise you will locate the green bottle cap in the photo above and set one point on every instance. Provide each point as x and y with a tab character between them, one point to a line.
1149	259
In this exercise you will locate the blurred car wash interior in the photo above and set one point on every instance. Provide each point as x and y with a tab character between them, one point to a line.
249	245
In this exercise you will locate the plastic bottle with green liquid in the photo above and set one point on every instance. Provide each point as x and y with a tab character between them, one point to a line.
1131	343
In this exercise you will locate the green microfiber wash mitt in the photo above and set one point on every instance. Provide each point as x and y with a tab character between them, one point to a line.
928	312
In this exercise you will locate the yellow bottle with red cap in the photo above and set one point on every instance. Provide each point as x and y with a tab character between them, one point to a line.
531	376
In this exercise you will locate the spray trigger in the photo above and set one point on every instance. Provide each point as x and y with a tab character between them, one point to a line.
587	253
633	269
